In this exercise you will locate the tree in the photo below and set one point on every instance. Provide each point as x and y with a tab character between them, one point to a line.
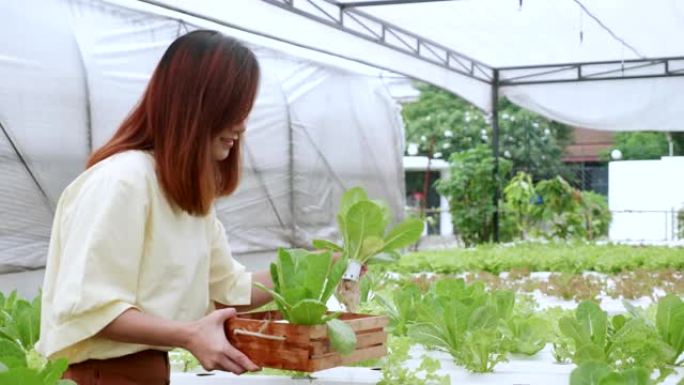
470	188
645	145
439	124
534	144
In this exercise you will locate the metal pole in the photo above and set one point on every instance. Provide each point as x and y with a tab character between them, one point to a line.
495	150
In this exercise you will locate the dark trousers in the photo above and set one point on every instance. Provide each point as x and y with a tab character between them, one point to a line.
149	367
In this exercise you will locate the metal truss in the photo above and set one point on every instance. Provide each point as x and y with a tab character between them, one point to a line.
345	17
592	71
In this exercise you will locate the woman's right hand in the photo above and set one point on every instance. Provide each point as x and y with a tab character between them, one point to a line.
207	341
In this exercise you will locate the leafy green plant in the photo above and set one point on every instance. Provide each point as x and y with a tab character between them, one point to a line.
401	309
620	342
560	209
49	374
19	332
469	189
519	195
394	372
466	321
596	373
594	209
303	281
670	324
529	334
363	224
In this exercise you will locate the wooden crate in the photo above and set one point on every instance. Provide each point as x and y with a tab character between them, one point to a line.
272	343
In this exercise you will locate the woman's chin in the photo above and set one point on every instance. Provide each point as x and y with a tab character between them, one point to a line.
223	155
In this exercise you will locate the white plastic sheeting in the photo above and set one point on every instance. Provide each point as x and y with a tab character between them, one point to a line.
71	70
508	33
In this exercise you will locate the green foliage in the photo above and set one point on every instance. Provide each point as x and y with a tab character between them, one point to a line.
441	124
401	309
529	334
621	341
303	282
644	145
469	189
342	337
363	224
478	328
670	323
50	374
183	361
394	372
555	209
560	257
596	373
560	209
519	195
596	214
19	321
19	332
534	144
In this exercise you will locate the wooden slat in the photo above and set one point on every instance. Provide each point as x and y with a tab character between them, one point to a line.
332	360
306	347
357	324
363	340
296	334
287	359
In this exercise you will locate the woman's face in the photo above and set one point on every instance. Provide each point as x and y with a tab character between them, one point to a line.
226	139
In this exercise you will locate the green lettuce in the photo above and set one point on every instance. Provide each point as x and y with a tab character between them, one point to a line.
363	225
303	281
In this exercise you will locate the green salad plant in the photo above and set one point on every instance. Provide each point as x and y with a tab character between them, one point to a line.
366	238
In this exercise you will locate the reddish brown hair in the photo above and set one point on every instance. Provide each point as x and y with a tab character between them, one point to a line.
204	83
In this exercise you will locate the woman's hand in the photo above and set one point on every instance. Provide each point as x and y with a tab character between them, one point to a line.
207	341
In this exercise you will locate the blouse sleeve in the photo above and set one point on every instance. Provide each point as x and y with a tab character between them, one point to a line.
229	283
101	235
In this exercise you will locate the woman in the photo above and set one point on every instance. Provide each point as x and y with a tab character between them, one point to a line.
138	261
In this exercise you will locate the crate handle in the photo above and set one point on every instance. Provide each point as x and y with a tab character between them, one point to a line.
259	335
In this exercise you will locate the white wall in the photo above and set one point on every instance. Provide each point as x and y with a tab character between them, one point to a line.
644	197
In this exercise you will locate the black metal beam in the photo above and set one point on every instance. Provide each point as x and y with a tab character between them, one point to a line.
593	71
495	151
371	3
587	63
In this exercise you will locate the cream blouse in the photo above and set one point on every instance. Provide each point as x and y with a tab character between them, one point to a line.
117	243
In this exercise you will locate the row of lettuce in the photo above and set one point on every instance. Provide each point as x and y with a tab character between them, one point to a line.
571	257
480	328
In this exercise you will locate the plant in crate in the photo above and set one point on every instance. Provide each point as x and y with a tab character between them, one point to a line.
303	335
303	282
363	224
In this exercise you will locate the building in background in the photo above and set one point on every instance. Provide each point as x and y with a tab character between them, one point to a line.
585	160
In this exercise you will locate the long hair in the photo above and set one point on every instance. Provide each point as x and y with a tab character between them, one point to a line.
204	83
